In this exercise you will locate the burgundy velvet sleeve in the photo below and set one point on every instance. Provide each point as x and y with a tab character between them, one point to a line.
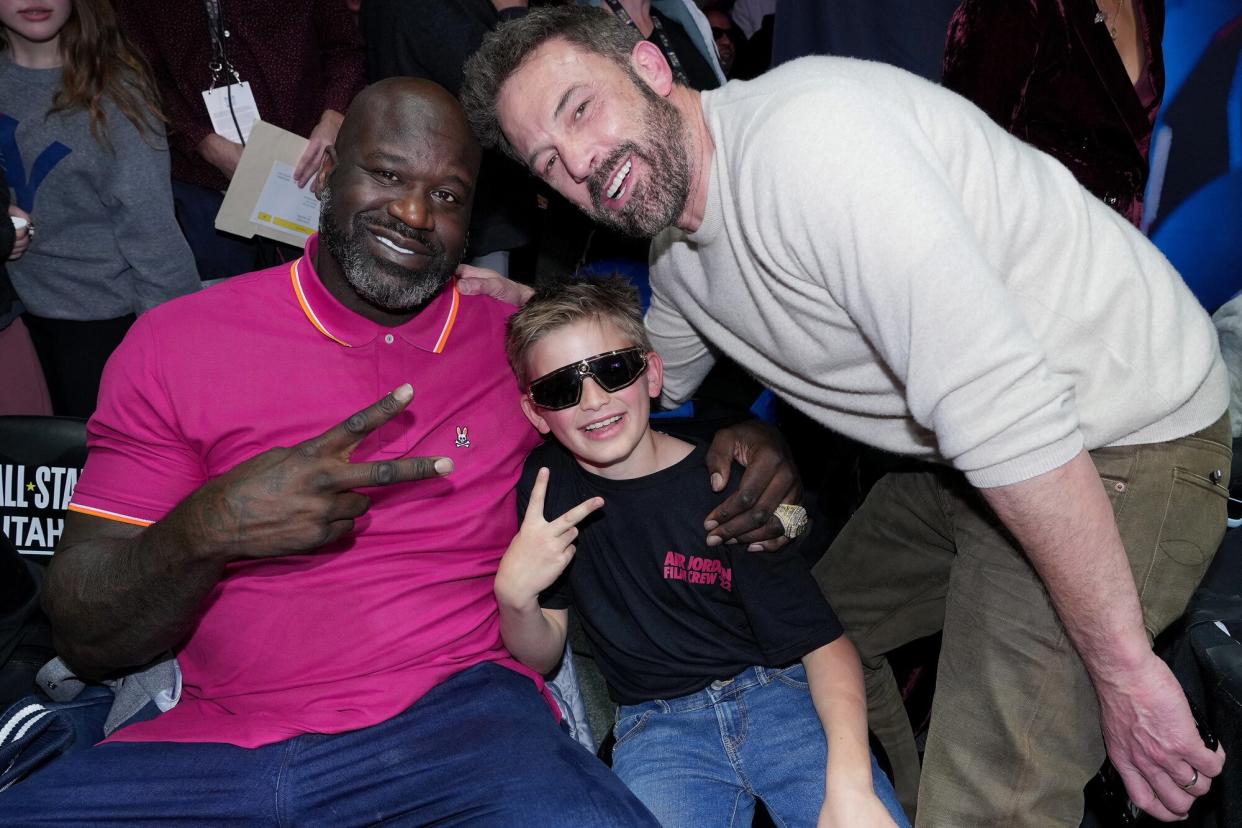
990	54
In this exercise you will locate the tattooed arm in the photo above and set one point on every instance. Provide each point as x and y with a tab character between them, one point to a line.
119	595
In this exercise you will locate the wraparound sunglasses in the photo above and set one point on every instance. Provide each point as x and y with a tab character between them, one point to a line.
613	371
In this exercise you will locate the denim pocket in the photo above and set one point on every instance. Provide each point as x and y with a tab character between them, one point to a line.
1193	524
794	676
629	726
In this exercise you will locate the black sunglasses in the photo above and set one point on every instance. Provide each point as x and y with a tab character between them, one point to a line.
613	371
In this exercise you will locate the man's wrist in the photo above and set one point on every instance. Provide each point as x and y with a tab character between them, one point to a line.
1115	667
192	530
214	148
332	117
207	146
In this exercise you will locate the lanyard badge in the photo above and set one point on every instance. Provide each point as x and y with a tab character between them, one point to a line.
231	107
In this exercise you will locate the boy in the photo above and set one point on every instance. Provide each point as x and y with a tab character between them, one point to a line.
731	672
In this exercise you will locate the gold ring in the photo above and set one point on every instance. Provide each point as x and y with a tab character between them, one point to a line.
1192	781
793	519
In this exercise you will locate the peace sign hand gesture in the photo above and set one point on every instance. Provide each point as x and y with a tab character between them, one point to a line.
541	550
287	501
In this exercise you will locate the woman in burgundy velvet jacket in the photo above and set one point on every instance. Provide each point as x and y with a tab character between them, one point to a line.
1079	79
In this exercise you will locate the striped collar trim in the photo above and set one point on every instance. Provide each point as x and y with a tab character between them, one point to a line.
305	305
350	330
449	322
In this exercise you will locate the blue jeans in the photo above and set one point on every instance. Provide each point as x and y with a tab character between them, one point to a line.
481	749
701	760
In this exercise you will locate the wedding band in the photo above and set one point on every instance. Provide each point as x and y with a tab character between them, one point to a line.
793	520
1192	781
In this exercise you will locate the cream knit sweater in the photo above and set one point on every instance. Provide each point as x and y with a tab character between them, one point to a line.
891	262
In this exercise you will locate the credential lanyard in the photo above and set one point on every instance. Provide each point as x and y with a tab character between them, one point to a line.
661	37
219	53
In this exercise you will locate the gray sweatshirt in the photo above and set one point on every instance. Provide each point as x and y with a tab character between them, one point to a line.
106	242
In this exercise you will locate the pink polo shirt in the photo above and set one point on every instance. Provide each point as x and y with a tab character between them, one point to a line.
356	632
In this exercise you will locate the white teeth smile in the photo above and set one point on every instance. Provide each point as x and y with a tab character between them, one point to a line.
602	423
388	243
619	179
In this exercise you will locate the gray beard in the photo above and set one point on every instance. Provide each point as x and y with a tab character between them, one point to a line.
384	284
658	202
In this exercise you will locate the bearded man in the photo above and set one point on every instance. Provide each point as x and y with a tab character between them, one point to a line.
878	252
328	597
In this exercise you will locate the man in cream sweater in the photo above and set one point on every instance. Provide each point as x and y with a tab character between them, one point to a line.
888	260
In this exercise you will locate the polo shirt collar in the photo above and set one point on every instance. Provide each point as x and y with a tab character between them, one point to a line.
429	330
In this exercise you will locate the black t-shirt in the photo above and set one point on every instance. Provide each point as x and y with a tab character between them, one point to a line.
666	614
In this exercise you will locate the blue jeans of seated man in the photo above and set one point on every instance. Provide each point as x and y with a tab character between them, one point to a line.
480	749
701	760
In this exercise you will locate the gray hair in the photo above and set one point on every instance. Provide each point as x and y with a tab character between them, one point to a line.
505	50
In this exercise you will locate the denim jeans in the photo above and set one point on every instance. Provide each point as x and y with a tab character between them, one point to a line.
481	749
35	732
701	760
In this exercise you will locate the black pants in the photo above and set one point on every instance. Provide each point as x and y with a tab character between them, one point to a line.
217	254
73	355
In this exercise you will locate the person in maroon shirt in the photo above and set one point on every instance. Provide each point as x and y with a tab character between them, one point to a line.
304	64
1081	80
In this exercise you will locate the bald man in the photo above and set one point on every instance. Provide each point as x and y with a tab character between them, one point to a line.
324	579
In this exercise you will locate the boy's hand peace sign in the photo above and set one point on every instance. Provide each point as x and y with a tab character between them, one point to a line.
542	549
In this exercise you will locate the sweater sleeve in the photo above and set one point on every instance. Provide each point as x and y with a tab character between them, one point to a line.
686	356
138	193
867	208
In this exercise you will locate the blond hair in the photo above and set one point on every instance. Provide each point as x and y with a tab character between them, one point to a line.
613	299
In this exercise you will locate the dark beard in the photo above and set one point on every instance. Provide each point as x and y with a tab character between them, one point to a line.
659	201
381	283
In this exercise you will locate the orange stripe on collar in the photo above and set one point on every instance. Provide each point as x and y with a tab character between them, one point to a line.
306	308
448	323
